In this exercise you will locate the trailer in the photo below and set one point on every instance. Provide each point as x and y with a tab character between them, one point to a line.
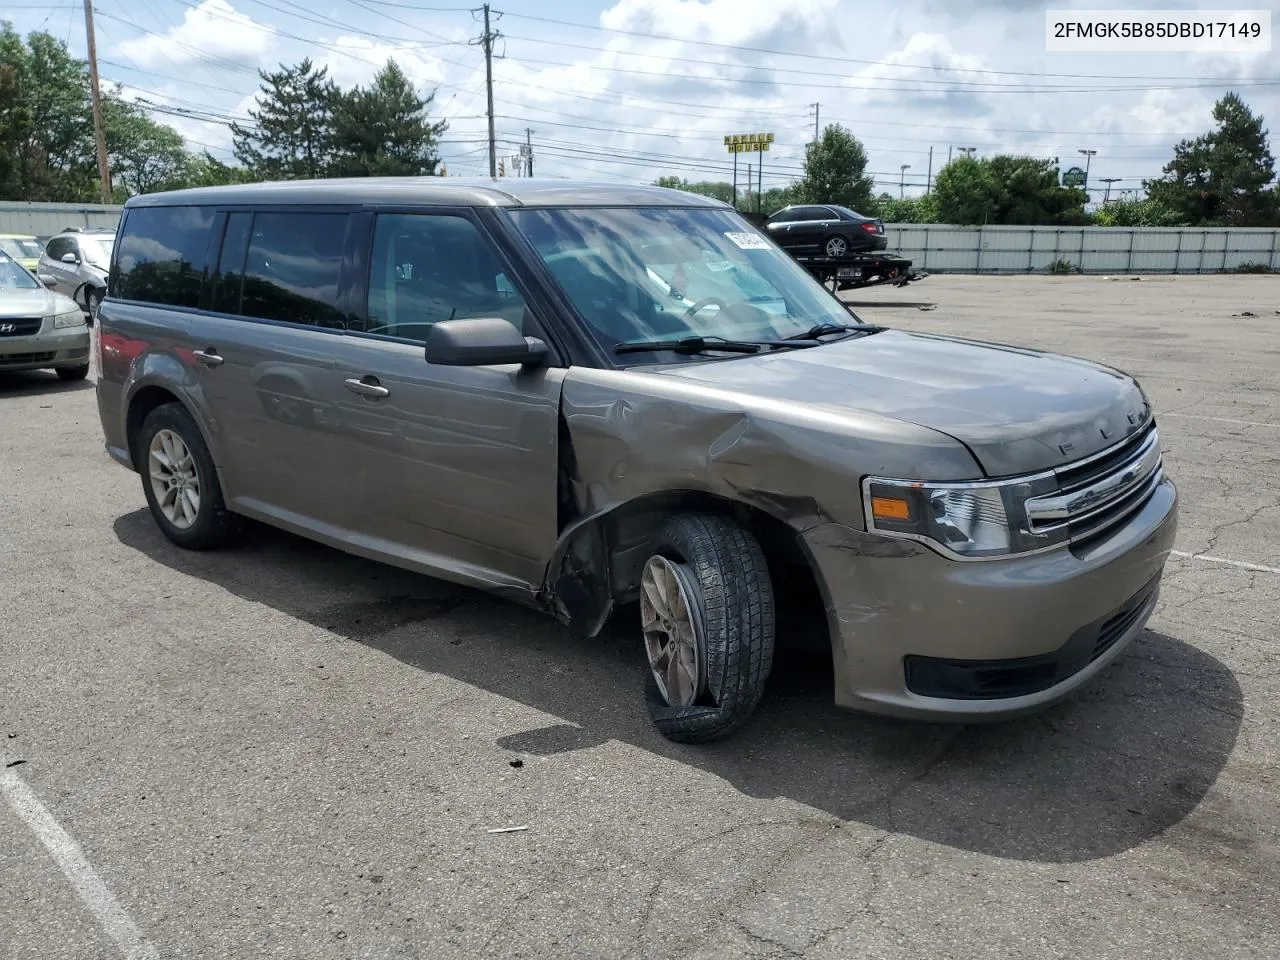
860	270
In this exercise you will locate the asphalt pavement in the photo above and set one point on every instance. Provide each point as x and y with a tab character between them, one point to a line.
279	750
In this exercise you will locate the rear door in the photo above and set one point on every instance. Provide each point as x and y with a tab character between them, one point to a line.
454	468
264	354
808	233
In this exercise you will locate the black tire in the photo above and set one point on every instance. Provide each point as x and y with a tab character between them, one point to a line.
92	301
73	373
727	568
214	525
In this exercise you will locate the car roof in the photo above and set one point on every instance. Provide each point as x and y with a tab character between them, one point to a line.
17	236
443	191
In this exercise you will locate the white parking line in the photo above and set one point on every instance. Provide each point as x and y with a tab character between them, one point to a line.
1196	416
1261	568
71	859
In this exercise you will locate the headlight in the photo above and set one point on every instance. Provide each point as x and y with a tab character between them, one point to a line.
73	319
964	521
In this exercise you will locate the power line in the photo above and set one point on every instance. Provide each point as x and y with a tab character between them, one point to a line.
834	59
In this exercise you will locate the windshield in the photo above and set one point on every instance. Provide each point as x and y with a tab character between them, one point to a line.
644	273
97	250
24	248
14	277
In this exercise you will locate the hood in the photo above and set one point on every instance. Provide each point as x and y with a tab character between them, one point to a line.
1019	411
34	303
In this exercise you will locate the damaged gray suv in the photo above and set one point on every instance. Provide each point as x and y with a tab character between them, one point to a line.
579	396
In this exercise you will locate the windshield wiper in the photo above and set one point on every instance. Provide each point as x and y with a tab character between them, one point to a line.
823	329
689	345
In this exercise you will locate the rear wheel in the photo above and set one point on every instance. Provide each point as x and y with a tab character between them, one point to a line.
836	247
180	481
706	609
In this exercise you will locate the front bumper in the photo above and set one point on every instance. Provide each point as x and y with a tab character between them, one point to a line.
47	349
916	635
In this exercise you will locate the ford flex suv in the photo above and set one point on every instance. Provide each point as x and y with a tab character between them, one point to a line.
581	396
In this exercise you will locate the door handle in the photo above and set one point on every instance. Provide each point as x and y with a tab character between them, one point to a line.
208	356
367	387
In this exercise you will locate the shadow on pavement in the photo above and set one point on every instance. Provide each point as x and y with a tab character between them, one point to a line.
38	383
1127	758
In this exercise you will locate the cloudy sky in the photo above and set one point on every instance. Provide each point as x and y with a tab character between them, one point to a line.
632	89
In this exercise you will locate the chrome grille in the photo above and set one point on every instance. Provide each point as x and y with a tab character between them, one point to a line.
19	326
1101	492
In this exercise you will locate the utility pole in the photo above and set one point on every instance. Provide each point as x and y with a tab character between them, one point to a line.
902	180
928	177
760	179
528	151
816	108
99	131
948	153
1108	181
748	186
486	40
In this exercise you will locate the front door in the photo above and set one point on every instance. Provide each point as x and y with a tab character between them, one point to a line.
64	275
455	468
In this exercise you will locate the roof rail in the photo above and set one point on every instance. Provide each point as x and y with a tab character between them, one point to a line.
73	229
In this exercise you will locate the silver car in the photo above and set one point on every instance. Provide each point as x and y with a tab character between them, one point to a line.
583	396
39	329
75	263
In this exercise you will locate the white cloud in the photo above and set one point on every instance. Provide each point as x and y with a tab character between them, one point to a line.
213	29
364	57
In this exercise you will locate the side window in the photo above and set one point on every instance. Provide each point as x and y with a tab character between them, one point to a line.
56	248
162	255
426	268
292	268
229	276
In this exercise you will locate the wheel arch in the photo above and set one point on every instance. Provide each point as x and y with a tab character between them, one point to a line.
598	559
147	397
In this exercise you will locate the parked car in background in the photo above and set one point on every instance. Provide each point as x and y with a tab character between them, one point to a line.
39	329
22	248
582	396
75	263
825	230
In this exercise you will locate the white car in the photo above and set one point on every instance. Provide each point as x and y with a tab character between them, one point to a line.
39	329
75	262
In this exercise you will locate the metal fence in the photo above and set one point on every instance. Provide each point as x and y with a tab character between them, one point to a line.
937	248
43	220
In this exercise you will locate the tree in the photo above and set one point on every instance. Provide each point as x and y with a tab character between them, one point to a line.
1136	213
382	130
15	127
719	189
835	171
50	146
144	156
206	170
291	134
1006	189
892	209
1222	177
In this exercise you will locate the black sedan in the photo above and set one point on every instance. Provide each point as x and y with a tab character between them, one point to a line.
825	230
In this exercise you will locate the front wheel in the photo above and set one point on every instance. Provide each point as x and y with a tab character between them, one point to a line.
706	609
92	301
73	373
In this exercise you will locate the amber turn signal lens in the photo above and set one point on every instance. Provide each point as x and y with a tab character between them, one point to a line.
890	508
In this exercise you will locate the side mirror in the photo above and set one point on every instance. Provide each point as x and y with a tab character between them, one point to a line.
480	342
70	258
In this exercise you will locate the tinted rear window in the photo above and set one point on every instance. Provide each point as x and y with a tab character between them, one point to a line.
162	255
293	268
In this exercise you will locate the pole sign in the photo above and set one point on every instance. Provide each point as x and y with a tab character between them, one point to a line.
747	142
1073	177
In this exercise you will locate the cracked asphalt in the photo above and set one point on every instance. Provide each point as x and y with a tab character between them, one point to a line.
282	751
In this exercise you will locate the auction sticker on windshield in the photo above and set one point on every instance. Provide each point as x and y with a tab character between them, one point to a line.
748	241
